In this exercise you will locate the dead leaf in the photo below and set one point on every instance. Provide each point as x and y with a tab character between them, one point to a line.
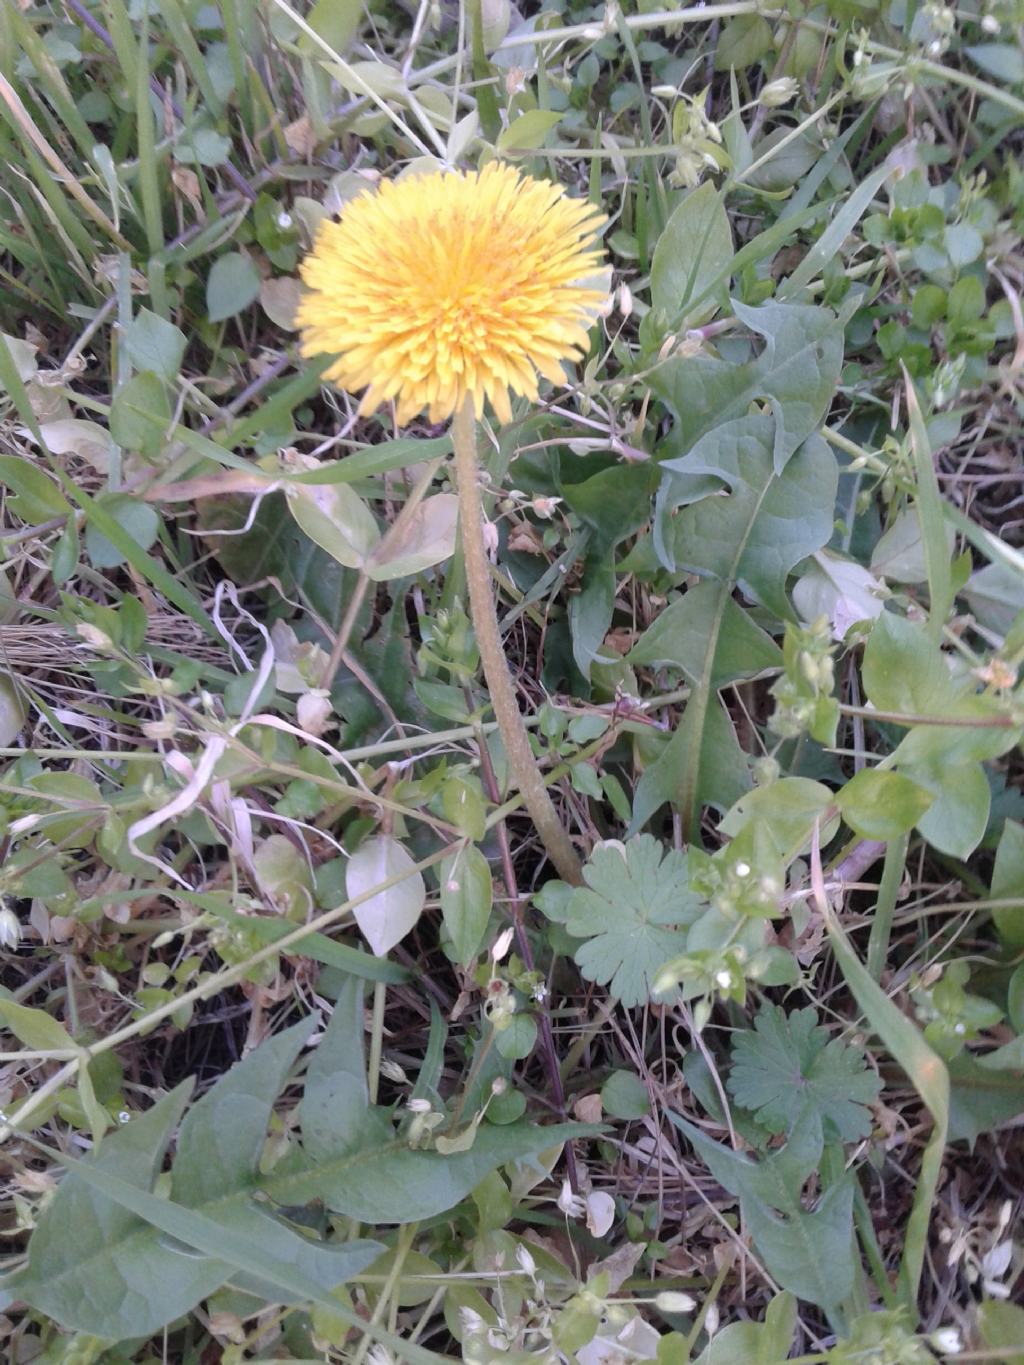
186	180
300	137
75	436
587	1109
620	641
279	299
524	538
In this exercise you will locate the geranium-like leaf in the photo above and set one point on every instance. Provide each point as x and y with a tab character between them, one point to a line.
787	1065
636	901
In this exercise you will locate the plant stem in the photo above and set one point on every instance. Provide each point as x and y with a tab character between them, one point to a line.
881	924
376	1039
547	1039
492	655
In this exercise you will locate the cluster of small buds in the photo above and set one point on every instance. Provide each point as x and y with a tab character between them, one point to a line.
713	973
609	23
941	21
997	674
499	1004
696	138
945	382
808	679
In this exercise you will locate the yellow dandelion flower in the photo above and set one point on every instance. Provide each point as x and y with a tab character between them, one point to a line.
448	286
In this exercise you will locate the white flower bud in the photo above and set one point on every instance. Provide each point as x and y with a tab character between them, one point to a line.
672	1301
625	300
10	929
570	1204
502	944
93	636
164	728
779	92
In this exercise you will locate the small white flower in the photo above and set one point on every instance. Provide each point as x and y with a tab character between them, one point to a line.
947	1340
418	1106
711	1320
990	24
284	221
526	1262
724	979
743	869
570	1204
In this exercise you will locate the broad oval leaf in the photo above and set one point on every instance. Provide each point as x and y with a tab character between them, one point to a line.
879	804
335	518
232	285
426	540
76	436
692	253
527	131
35	1028
466	894
385	918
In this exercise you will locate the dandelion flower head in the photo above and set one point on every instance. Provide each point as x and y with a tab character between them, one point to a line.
447	286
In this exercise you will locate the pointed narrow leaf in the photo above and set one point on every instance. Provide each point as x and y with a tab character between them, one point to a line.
335	1110
221	1139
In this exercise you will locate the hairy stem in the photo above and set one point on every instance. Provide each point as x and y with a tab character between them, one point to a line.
492	654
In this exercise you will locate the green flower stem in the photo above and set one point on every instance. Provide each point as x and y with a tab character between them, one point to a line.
492	654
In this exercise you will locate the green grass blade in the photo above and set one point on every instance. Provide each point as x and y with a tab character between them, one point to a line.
927	1073
932	517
